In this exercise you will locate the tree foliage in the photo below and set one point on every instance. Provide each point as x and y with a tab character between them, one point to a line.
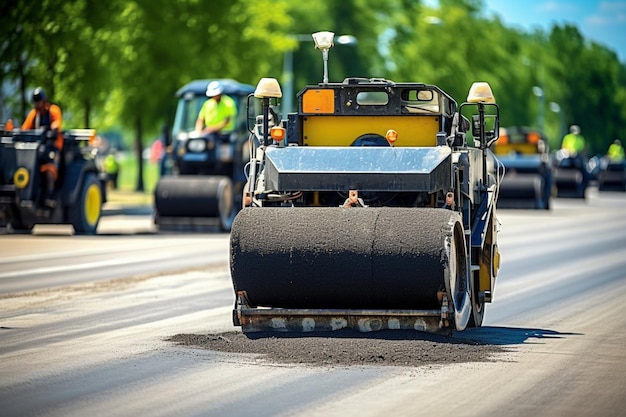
118	63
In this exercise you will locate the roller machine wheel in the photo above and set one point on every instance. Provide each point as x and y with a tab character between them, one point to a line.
362	268
194	201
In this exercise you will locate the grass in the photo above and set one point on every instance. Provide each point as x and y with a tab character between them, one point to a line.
127	193
129	170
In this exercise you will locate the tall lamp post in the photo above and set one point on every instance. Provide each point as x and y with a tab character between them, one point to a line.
555	108
287	102
538	92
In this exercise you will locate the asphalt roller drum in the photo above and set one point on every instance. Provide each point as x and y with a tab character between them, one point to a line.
521	186
568	178
354	258
193	196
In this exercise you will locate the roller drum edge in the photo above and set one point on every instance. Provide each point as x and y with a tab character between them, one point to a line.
191	196
324	258
568	178
522	186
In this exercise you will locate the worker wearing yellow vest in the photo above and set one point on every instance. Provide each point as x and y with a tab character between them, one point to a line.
111	167
218	113
574	142
616	151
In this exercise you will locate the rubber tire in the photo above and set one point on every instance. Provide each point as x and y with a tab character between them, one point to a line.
478	309
226	205
17	225
84	213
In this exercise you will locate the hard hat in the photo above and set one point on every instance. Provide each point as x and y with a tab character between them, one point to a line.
39	94
214	89
575	129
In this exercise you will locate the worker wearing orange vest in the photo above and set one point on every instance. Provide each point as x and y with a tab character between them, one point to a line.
48	116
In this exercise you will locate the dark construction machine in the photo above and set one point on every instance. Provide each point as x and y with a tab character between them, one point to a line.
368	209
612	175
205	184
571	176
528	180
80	185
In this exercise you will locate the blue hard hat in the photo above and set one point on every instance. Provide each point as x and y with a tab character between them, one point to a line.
39	94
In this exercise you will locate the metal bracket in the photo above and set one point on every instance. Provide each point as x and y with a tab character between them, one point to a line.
353	200
445	311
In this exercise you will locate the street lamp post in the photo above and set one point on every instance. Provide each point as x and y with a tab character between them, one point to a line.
288	77
538	92
555	108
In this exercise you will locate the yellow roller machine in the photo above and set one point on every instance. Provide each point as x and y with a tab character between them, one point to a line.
373	206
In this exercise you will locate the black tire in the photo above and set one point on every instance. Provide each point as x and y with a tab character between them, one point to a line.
15	224
370	139
84	213
478	307
226	205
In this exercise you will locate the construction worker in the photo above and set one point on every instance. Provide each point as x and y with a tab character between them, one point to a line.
218	113
48	116
616	152
111	167
574	142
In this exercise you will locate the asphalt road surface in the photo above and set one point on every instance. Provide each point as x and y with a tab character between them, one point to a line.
92	325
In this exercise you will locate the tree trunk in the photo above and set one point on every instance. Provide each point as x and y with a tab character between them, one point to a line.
139	149
23	91
87	106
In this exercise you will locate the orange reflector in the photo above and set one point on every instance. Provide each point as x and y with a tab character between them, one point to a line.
391	136
9	125
318	101
533	137
278	133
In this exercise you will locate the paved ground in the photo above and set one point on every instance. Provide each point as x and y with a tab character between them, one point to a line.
127	202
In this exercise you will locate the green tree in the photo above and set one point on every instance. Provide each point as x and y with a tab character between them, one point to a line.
118	63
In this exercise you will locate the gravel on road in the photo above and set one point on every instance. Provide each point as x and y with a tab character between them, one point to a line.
347	348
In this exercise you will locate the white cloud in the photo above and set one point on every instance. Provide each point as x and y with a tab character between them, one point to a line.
609	13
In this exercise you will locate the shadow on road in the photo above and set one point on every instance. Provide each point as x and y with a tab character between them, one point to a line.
490	335
494	335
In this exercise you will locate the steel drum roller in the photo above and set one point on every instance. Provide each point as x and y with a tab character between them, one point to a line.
356	258
569	178
193	196
522	186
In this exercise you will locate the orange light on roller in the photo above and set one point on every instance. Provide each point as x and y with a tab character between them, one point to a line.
533	137
9	125
278	133
247	199
391	136
503	139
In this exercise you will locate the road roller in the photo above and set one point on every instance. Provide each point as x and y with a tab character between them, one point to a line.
571	176
612	175
203	184
371	207
80	186
528	182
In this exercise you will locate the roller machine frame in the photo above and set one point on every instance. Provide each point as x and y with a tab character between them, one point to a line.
612	175
571	176
528	182
80	187
205	182
371	207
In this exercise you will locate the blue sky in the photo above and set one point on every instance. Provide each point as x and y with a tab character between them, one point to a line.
603	21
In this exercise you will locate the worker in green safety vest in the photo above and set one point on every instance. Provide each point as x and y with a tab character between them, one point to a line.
574	142
616	151
111	167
